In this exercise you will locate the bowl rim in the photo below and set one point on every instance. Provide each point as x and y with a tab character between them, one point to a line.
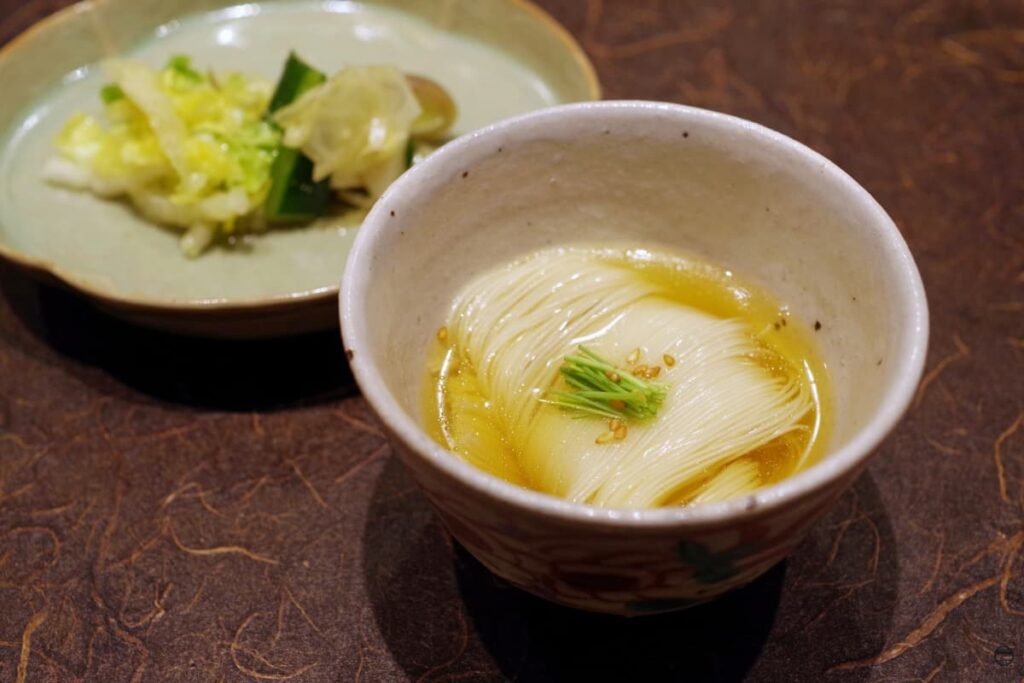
839	464
46	268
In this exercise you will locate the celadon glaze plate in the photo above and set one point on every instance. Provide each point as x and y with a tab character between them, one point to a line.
498	58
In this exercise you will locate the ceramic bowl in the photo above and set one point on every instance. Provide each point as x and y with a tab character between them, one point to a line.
636	173
498	58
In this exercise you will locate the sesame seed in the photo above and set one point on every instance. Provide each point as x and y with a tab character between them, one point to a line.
442	334
669	360
607	437
620	432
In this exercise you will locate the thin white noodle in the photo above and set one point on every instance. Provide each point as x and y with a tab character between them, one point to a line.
515	324
735	479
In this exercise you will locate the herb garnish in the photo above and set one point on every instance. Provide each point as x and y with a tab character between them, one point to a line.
598	388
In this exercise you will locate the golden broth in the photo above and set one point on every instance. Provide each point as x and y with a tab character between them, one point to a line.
459	416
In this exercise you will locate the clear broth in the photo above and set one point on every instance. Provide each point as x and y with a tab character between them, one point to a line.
458	415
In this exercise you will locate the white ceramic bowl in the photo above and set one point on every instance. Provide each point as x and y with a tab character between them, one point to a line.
642	173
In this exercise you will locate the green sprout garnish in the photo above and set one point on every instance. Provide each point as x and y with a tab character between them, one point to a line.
598	388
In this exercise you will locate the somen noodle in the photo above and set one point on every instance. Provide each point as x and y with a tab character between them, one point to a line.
737	385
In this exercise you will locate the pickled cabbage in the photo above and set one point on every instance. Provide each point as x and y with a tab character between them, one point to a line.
189	149
355	127
196	151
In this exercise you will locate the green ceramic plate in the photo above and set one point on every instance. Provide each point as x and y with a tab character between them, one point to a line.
498	58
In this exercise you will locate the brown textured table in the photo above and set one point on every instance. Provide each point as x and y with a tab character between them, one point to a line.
181	510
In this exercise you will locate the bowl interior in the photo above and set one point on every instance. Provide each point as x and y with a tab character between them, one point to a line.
646	174
499	58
